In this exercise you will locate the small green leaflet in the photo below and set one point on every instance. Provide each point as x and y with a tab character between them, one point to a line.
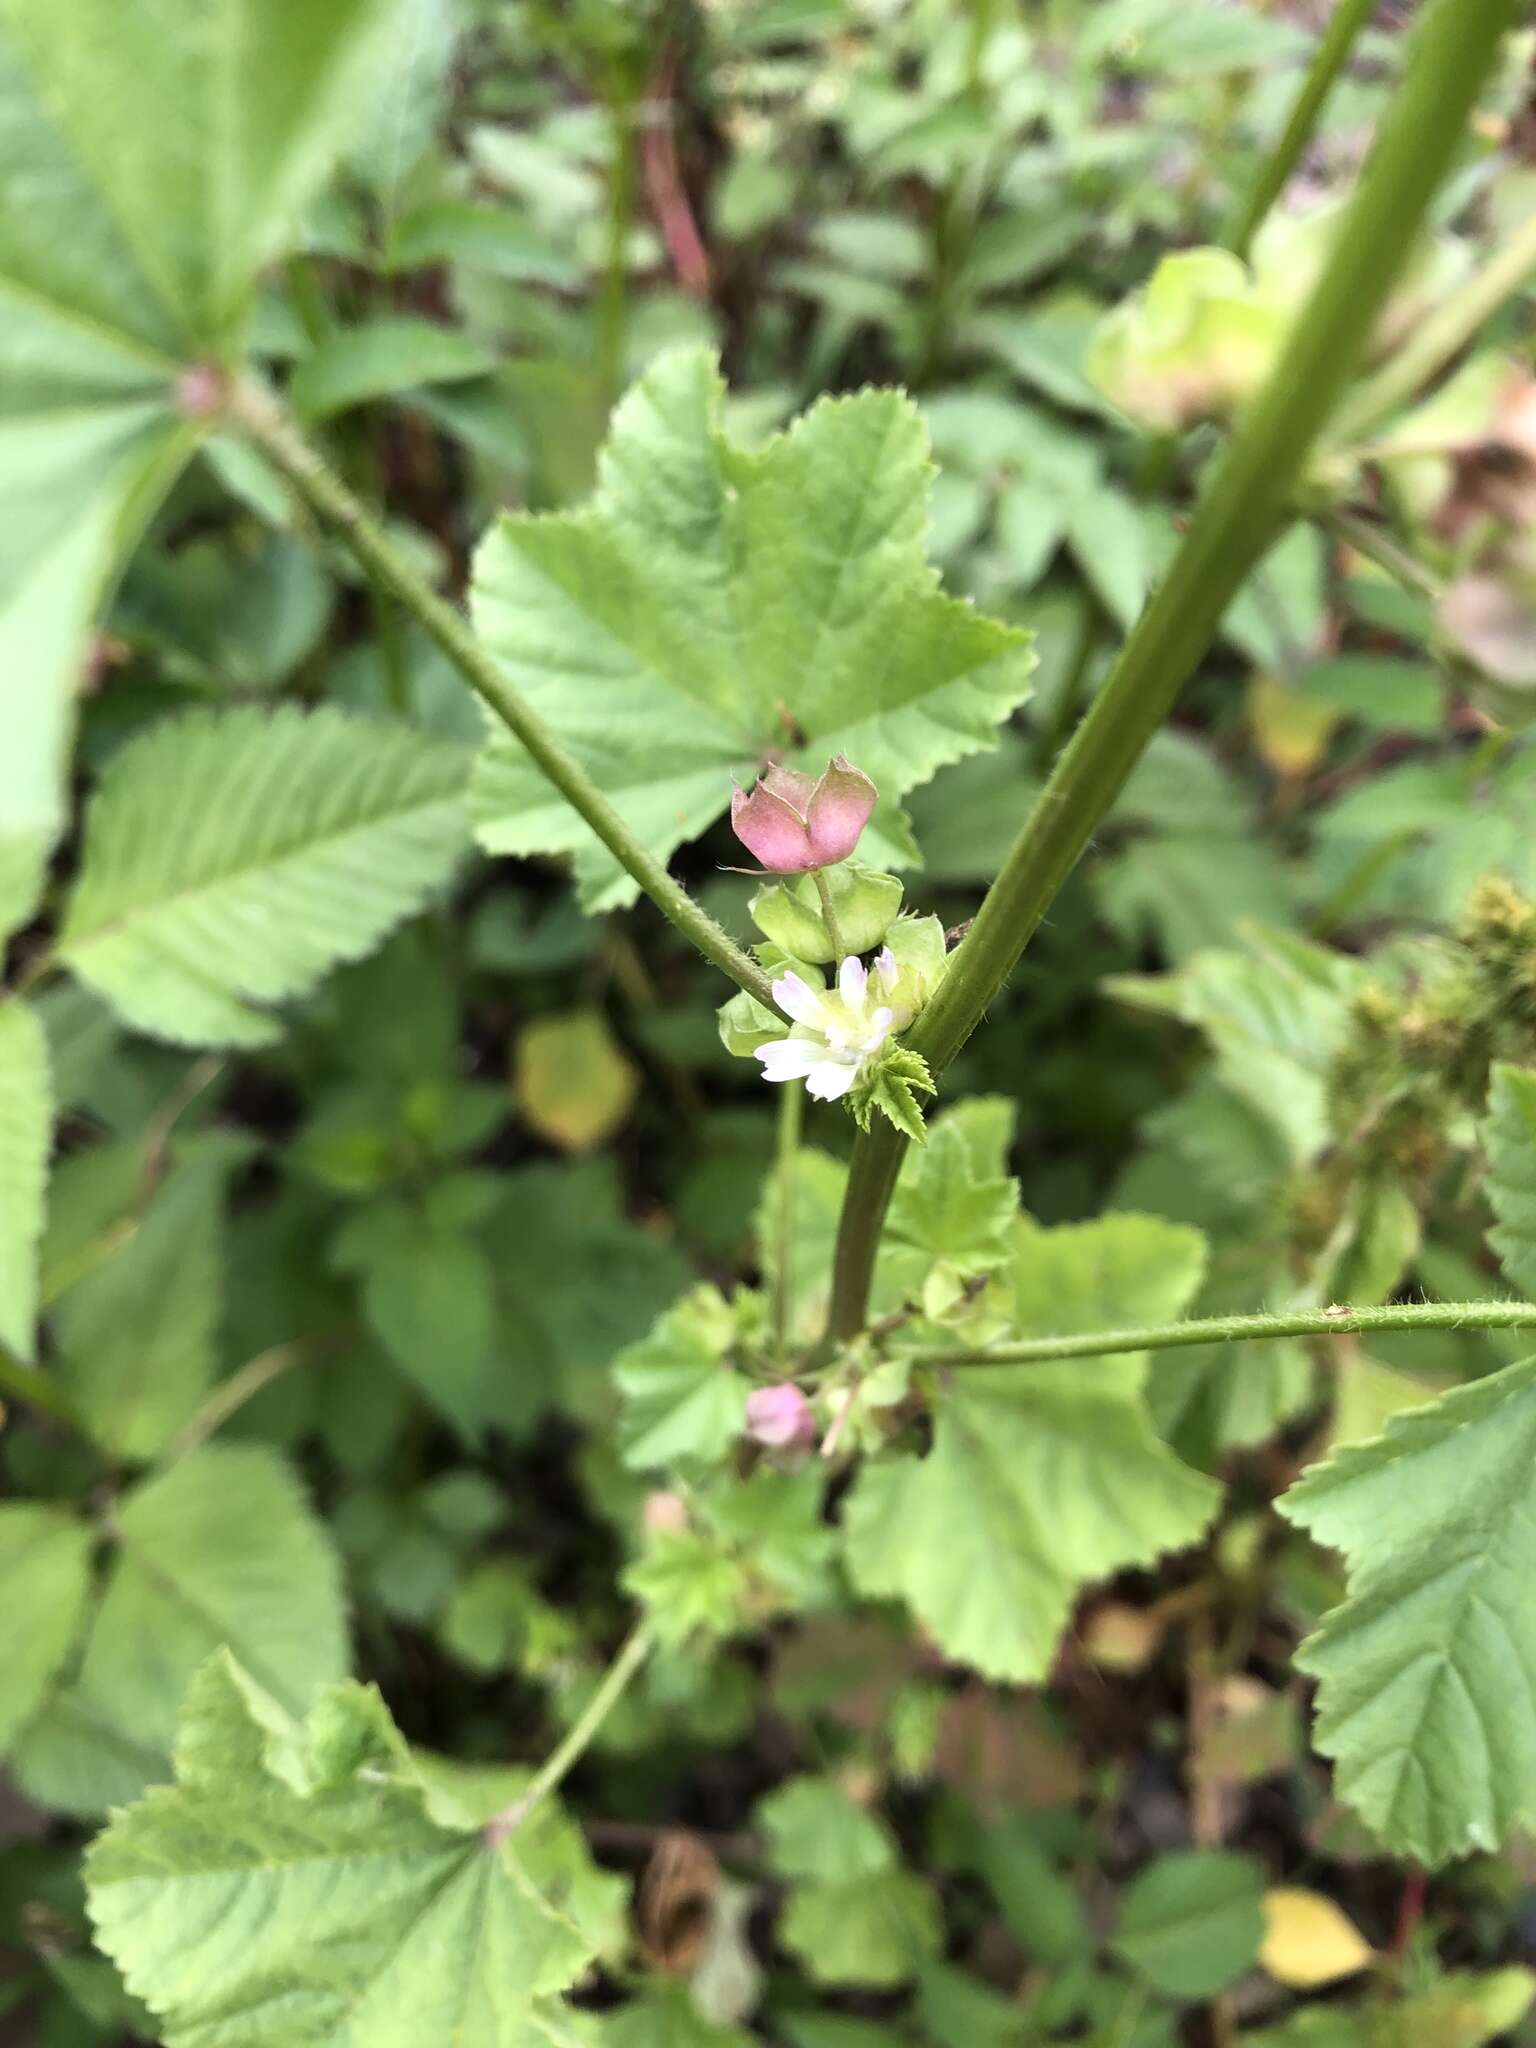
232	857
383	357
949	1223
344	1892
714	605
140	214
1427	1696
222	1549
1042	1478
754	1547
1509	1139
26	1138
45	1557
853	1915
1193	1922
683	1399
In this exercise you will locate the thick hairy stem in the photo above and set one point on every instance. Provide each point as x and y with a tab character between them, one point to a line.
1244	507
1329	59
1311	1322
258	414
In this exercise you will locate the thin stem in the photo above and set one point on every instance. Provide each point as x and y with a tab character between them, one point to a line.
829	919
263	419
1378	546
1329	59
791	1105
636	1648
1244	508
20	1382
1428	349
613	291
232	1394
1312	1322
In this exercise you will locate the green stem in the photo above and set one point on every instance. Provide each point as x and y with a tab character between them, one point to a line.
259	415
636	1648
1309	1322
791	1104
20	1382
1441	336
829	919
613	294
1242	511
231	1395
1334	46
1378	546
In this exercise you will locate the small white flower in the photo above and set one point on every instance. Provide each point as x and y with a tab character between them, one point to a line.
836	1032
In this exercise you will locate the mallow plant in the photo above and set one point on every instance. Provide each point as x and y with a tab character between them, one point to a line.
927	1401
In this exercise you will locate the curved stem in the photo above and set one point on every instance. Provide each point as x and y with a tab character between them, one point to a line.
1329	59
264	421
26	1383
1315	1322
1244	508
231	1395
636	1648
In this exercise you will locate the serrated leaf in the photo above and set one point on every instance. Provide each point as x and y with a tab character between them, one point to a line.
1427	1701
683	1399
948	1224
222	1550
1509	1139
232	857
1042	1478
713	603
1275	1015
26	1138
258	100
45	1558
305	1887
138	222
136	1333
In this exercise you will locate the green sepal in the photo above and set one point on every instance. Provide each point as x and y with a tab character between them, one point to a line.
864	901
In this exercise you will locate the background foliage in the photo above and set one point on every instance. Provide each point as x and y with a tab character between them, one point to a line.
388	1243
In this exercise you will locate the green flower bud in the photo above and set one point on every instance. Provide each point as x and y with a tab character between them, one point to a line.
864	901
915	951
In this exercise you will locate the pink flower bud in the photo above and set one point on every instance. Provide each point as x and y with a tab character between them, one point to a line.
201	390
664	1514
780	1416
794	824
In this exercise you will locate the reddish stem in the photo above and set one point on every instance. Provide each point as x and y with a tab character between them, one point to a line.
665	189
1410	1911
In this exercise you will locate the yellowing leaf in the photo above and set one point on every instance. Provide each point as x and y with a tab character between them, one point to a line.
1292	730
573	1081
1308	1941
